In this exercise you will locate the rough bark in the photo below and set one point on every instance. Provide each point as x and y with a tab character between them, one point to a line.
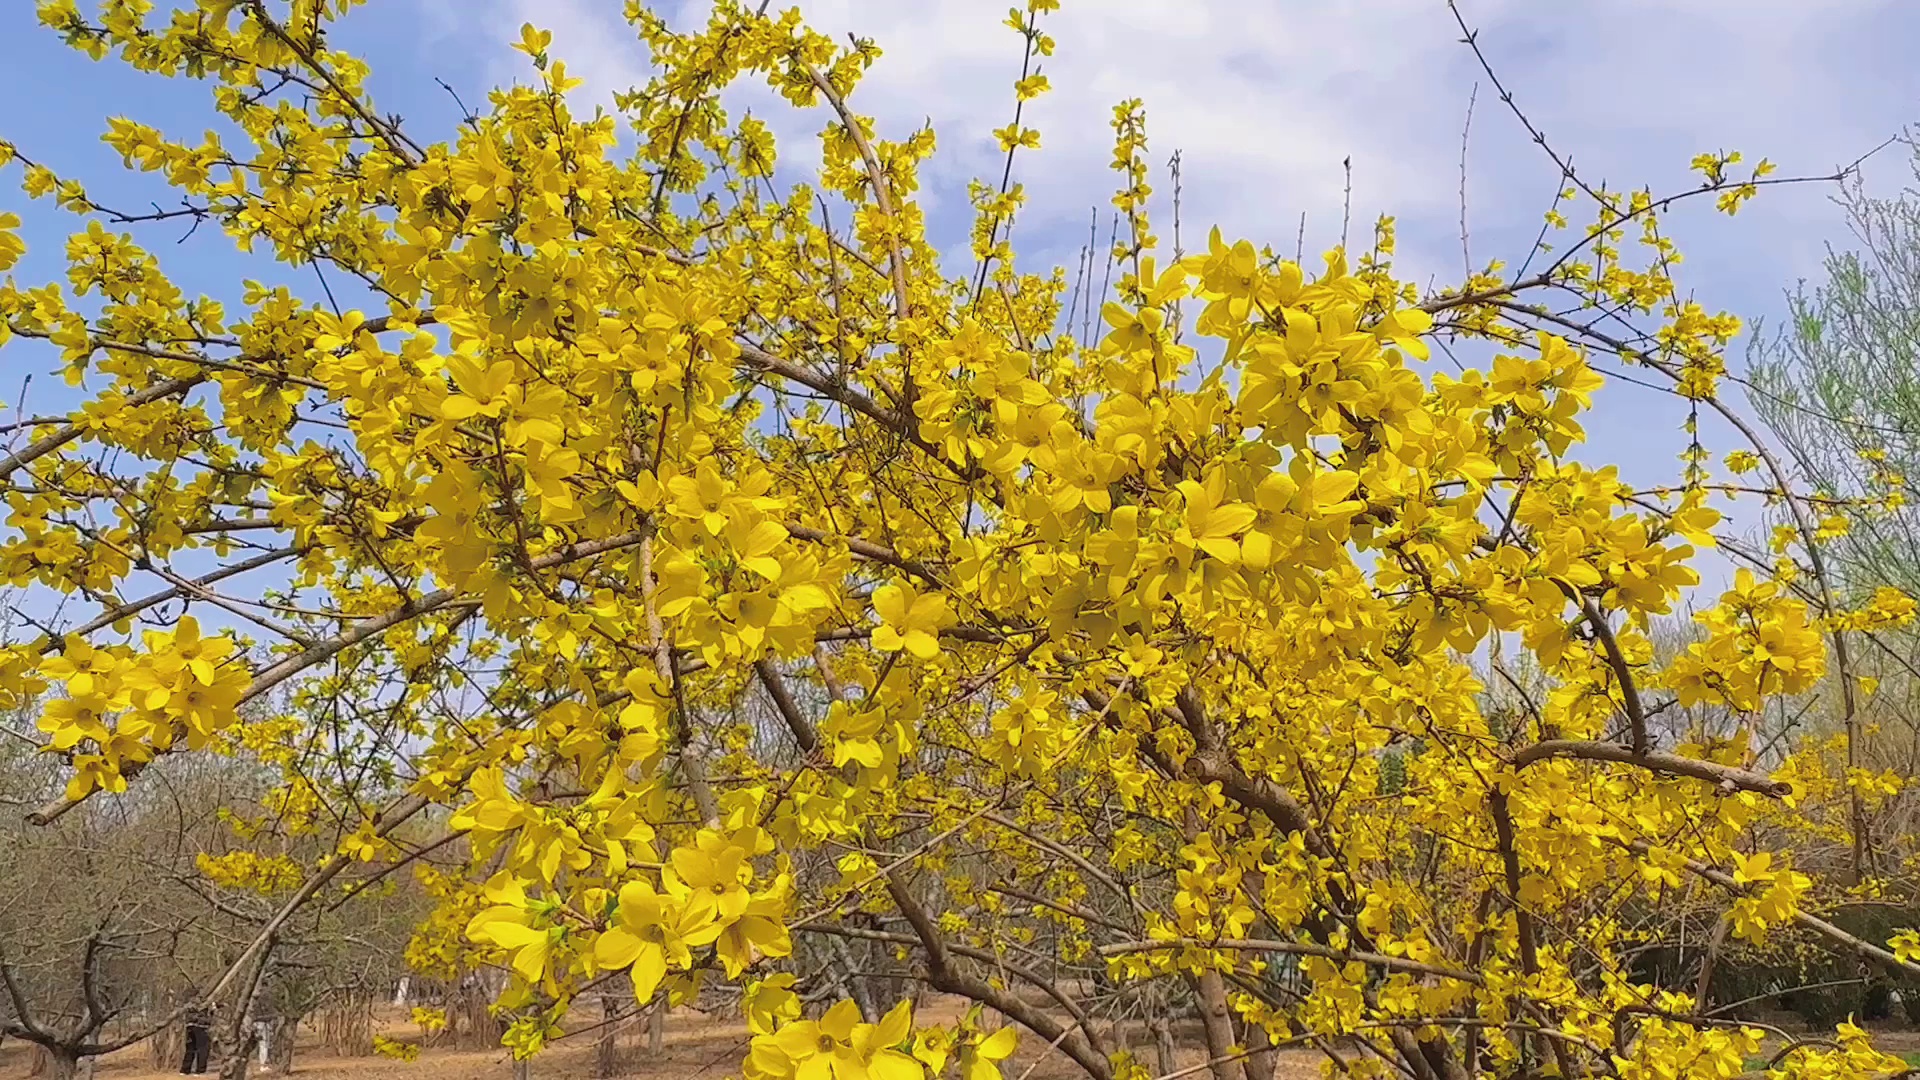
1262	1063
58	1065
1165	1055
606	1056
1216	1022
286	1031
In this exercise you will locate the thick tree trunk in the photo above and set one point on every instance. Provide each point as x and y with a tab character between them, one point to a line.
1263	1063
606	1058
286	1031
239	1061
60	1065
242	1036
857	988
1165	1053
1216	1020
657	1026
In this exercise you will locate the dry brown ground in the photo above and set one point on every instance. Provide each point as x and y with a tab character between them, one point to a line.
697	1048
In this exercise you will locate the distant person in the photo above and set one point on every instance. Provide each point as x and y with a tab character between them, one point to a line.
199	1039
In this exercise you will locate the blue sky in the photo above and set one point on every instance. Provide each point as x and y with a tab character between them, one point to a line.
1263	99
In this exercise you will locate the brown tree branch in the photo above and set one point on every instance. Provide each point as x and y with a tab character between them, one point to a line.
1822	927
1295	948
1727	776
882	193
945	976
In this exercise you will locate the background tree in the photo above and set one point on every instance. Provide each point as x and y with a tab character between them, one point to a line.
118	913
1837	383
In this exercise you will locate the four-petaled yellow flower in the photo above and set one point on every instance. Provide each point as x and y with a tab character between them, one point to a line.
649	937
909	620
839	1047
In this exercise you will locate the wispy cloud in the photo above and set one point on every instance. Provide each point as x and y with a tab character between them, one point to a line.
1265	101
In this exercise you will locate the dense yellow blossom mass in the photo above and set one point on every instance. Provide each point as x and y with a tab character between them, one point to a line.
723	567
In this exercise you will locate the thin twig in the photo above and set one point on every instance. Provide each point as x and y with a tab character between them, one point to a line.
1466	132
